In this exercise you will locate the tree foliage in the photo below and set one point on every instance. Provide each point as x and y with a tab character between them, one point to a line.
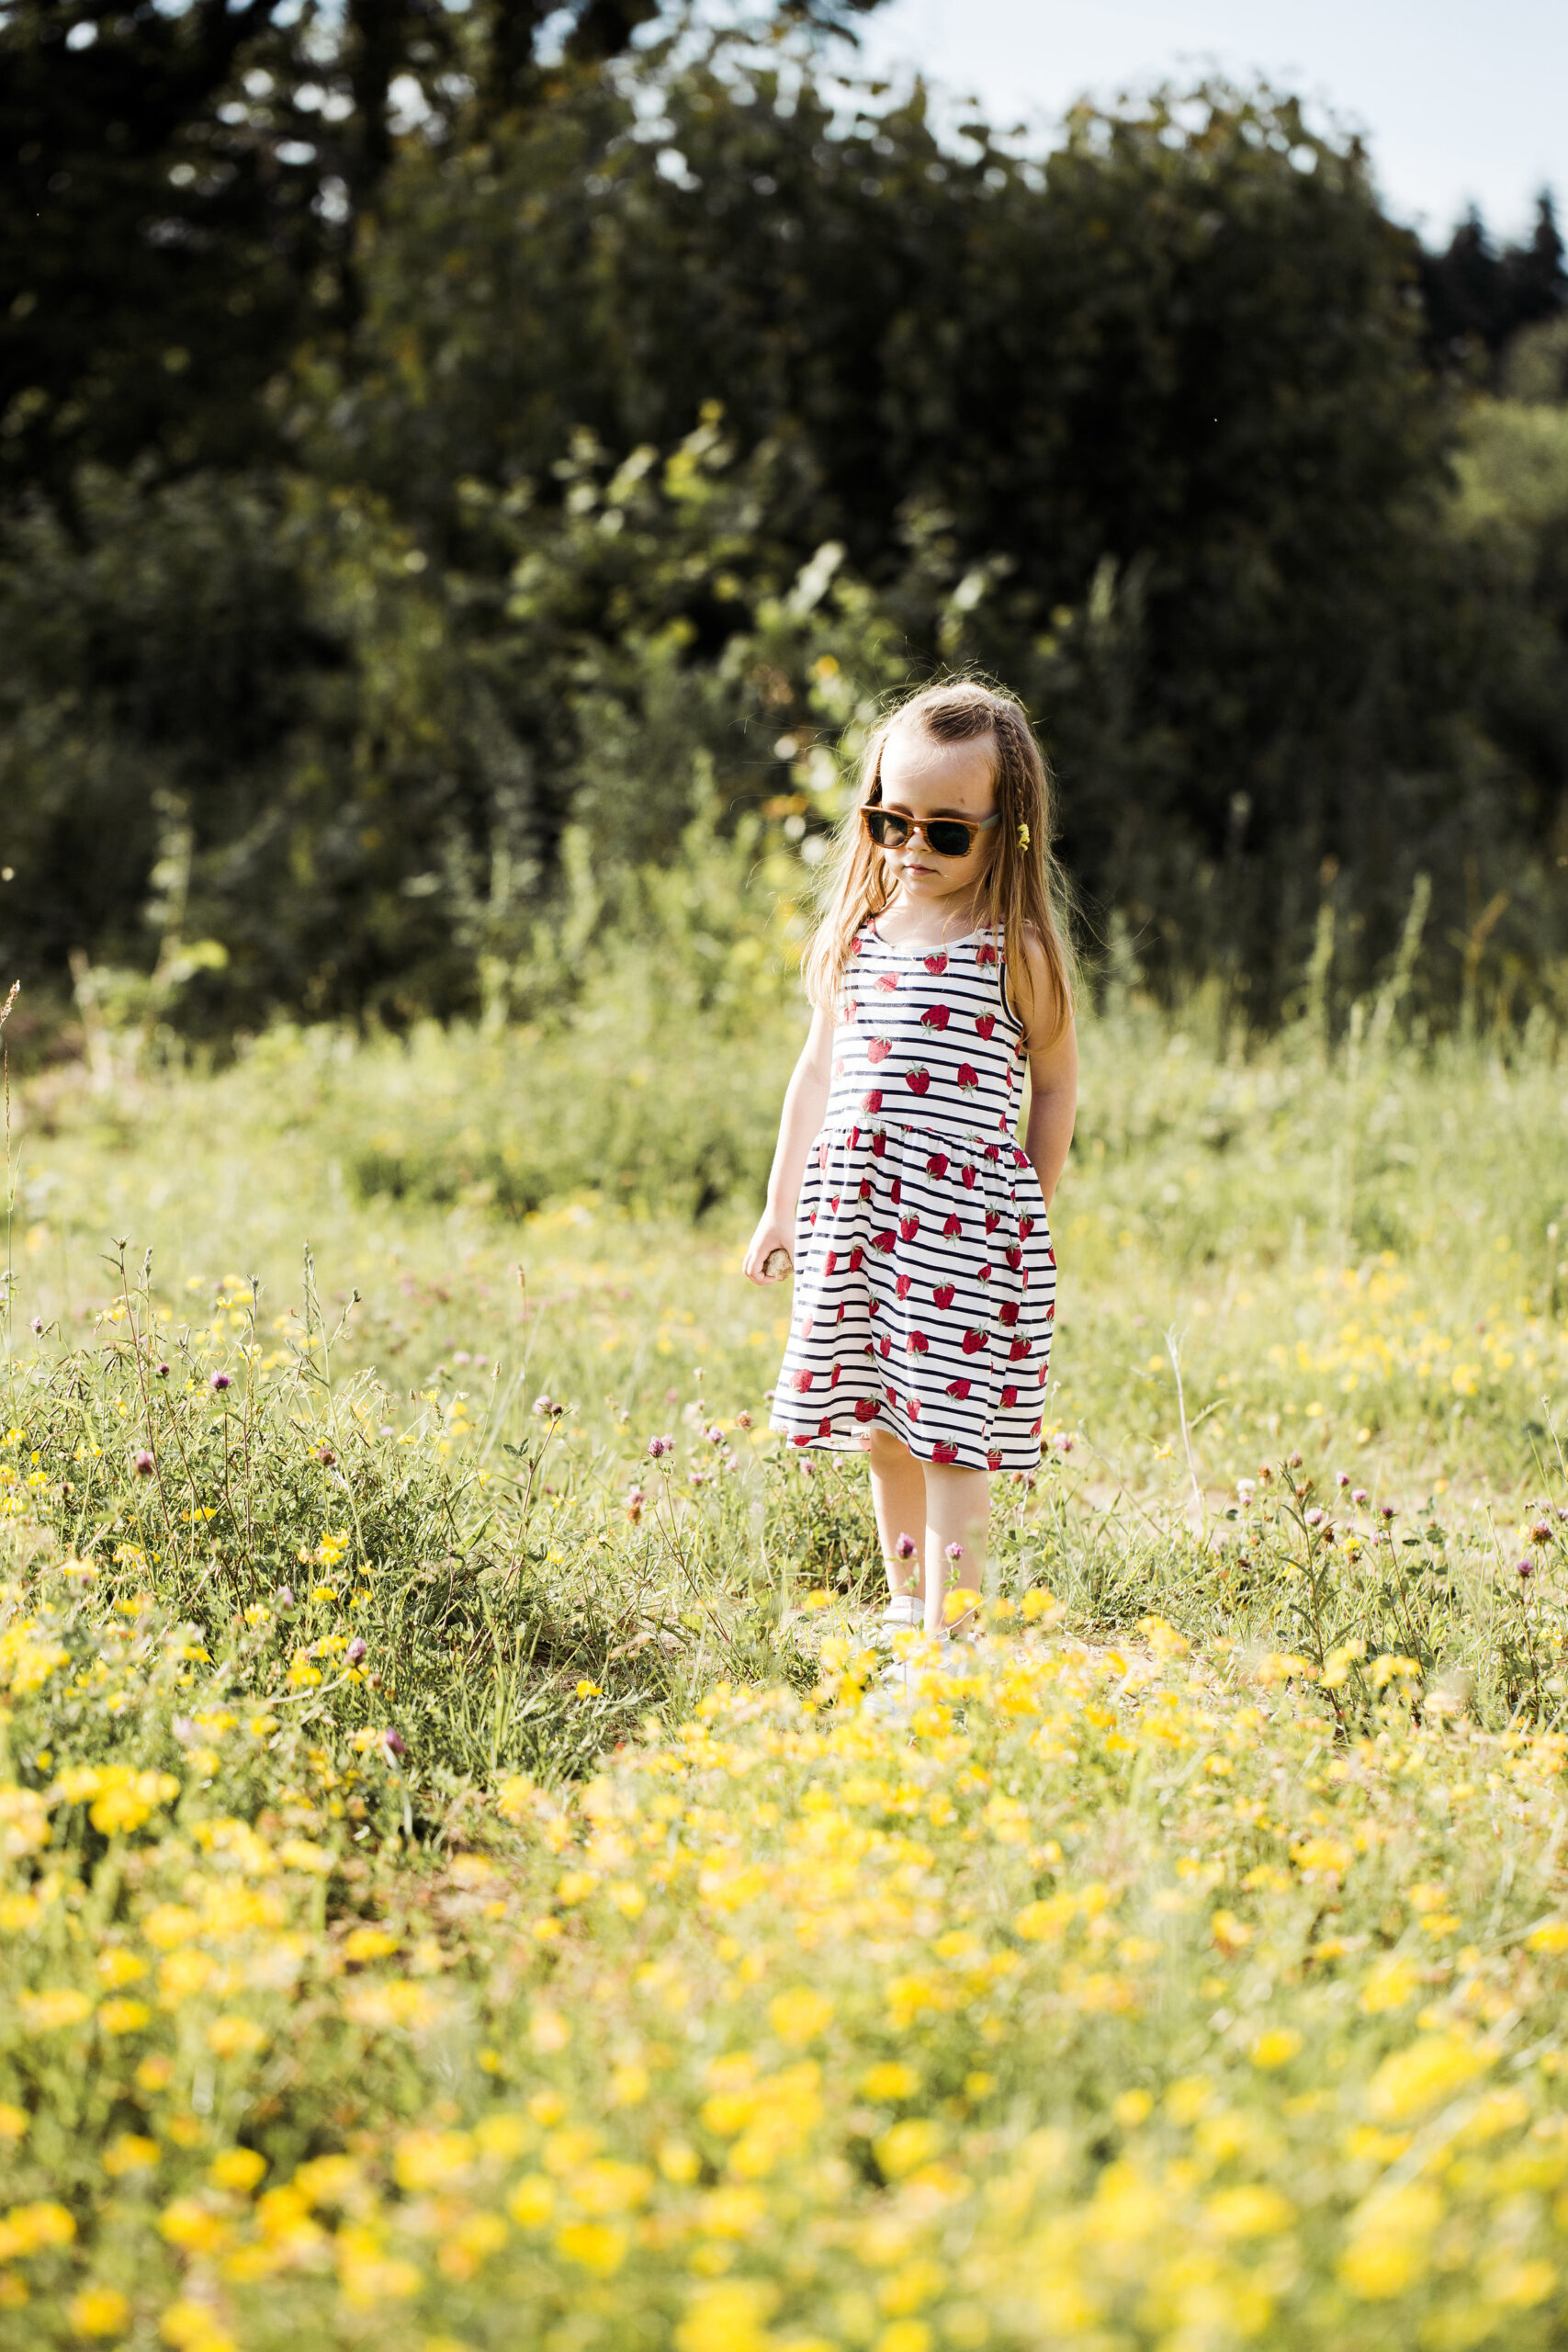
617	434
1480	295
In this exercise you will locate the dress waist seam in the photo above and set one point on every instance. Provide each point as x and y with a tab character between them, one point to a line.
869	1123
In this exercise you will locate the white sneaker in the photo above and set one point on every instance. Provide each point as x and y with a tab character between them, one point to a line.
901	1681
901	1615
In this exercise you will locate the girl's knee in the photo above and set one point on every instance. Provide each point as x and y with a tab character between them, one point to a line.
958	1477
883	1446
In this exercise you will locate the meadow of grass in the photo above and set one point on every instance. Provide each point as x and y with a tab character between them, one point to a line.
460	1884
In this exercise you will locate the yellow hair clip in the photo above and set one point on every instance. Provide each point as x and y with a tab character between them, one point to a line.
1023	836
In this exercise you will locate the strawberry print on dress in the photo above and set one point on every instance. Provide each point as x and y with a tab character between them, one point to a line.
925	1280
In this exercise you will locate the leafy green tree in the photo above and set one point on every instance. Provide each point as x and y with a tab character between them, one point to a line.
630	411
159	671
159	237
1510	514
1170	380
184	194
378	760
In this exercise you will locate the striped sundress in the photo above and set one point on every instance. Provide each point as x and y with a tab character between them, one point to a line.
925	1280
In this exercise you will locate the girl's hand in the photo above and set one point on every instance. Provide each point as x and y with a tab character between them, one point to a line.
772	1234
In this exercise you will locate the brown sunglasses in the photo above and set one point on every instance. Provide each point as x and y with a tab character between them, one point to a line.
945	836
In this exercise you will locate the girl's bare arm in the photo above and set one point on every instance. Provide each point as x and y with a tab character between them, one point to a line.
1053	1077
805	1102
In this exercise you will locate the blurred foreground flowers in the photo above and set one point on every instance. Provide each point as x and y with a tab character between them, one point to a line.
1096	1995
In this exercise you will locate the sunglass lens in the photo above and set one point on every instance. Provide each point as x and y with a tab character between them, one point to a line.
944	835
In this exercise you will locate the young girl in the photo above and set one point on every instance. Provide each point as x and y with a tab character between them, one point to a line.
925	1279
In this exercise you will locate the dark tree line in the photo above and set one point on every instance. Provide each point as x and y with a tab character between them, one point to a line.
1479	296
419	427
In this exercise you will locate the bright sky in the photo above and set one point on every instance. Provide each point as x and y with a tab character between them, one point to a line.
1459	101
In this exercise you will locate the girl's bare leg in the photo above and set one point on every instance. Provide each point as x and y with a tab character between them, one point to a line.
898	1499
958	1511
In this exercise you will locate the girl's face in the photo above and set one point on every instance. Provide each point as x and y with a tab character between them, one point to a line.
923	779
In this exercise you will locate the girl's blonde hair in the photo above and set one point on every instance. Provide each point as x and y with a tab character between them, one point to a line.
1025	894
